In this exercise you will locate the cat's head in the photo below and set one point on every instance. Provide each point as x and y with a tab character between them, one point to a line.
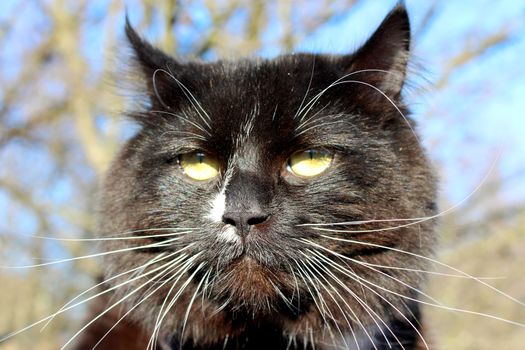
279	191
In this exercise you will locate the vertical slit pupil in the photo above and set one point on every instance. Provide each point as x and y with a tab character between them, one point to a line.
200	157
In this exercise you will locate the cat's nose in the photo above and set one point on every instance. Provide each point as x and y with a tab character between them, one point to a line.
244	220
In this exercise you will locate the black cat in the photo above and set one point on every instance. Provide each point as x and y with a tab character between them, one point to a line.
269	204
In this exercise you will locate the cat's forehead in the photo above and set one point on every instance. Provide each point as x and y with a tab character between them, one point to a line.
264	100
286	75
255	111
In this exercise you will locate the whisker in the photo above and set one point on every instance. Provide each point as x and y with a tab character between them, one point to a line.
319	126
174	299
307	89
205	289
435	273
102	239
156	259
428	259
206	118
154	80
127	296
296	286
341	80
363	304
191	136
186	119
282	296
307	285
373	269
389	100
373	314
314	99
123	250
358	279
315	281
436	303
360	222
339	307
12	334
274	112
312	118
187	265
188	309
169	270
414	221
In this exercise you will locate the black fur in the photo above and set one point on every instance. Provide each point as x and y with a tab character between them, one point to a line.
247	118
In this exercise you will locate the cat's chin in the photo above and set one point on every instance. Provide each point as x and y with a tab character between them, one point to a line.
250	279
249	286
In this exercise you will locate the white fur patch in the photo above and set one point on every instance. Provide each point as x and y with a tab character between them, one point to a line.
228	234
218	205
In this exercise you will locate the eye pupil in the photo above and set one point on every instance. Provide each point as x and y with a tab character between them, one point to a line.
199	166
309	163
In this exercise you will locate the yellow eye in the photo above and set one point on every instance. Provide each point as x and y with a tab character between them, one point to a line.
309	163
199	165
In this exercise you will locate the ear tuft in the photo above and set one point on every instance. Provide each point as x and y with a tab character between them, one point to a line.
156	68
149	57
384	56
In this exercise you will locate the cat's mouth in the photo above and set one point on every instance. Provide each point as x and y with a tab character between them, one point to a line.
245	261
261	291
247	265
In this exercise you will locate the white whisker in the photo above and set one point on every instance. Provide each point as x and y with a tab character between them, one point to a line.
123	250
169	270
435	302
127	296
355	318
156	259
103	239
188	309
364	283
172	302
361	302
319	304
196	104
12	334
307	89
373	269
414	221
187	265
185	118
431	260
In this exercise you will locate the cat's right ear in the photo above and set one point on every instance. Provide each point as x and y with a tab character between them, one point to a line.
381	63
156	67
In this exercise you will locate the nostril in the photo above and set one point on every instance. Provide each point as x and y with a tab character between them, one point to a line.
228	220
257	219
244	219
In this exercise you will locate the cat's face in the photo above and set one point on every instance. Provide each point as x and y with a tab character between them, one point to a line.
267	190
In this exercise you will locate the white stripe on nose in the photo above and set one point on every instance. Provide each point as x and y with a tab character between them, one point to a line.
218	205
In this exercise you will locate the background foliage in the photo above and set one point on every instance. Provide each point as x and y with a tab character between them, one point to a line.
60	126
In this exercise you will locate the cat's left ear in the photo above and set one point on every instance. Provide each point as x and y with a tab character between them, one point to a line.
382	61
157	69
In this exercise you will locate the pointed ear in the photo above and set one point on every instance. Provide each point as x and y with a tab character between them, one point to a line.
384	57
155	66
